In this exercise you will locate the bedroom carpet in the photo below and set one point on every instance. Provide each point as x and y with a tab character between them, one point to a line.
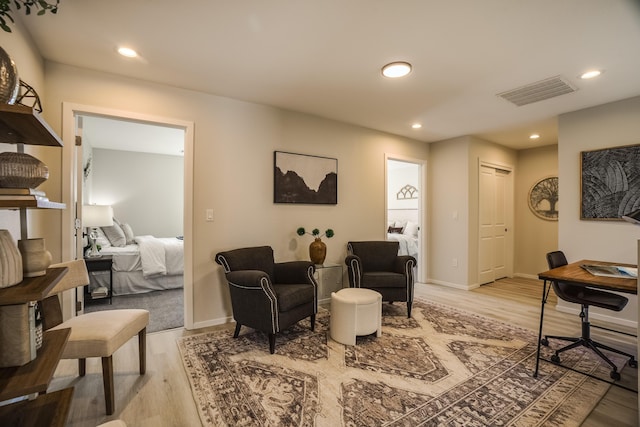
443	367
165	307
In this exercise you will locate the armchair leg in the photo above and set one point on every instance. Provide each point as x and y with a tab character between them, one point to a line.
82	367
237	331
272	343
107	380
409	309
142	350
313	322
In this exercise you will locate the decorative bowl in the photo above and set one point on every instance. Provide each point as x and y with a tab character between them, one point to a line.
21	170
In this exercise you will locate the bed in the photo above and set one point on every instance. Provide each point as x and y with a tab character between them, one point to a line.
141	264
403	228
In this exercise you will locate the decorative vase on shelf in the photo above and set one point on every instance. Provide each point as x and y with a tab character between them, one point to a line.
9	80
21	170
10	261
317	251
35	258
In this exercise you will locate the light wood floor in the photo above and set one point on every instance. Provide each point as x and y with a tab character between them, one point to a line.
163	397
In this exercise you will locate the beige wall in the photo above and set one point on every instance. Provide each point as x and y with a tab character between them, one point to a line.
535	237
233	171
609	125
453	207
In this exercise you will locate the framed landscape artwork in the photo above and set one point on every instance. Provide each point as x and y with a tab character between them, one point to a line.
304	179
610	182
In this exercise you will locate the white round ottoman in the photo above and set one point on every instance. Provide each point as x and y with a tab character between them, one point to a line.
355	311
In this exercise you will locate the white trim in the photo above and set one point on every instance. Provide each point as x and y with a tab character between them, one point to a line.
598	316
69	112
453	285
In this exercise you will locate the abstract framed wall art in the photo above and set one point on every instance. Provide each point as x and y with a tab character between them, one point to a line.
543	198
304	179
610	182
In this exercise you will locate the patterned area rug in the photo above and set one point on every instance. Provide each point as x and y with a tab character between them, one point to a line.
443	367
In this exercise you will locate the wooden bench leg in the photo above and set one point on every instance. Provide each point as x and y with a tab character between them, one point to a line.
142	350
107	380
82	367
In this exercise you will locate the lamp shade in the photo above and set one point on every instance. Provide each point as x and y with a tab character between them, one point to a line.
633	217
97	216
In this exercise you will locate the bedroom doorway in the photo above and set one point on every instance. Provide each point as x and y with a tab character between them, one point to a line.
133	156
405	208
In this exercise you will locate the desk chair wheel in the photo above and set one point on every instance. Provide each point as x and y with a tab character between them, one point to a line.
544	342
555	358
615	375
633	363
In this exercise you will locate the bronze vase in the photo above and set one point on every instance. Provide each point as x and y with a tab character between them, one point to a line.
317	251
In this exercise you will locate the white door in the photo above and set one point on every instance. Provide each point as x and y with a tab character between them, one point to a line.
493	213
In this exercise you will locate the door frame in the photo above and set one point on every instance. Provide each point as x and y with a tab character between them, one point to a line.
510	215
69	189
422	209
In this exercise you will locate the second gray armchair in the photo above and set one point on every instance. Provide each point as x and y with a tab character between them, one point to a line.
376	265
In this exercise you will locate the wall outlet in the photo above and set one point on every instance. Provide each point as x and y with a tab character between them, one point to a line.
454	262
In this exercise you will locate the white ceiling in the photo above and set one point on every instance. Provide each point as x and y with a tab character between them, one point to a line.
323	57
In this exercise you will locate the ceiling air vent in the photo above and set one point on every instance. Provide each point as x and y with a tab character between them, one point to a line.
538	91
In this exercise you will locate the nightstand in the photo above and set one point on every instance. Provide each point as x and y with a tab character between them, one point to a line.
329	278
101	263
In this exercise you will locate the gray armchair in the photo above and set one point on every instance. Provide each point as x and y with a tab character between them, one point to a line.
376	265
266	295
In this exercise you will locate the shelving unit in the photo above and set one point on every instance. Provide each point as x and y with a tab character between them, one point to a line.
22	125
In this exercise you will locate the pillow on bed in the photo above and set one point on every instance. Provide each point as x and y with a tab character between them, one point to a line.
128	233
115	235
396	230
411	229
102	239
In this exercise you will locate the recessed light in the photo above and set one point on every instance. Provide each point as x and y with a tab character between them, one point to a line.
396	69
128	52
590	74
416	126
534	136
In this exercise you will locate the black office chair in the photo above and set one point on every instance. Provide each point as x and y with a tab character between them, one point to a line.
585	297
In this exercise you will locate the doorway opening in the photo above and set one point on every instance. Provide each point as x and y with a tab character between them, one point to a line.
138	165
404	209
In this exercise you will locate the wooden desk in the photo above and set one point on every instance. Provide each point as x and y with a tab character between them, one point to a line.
576	275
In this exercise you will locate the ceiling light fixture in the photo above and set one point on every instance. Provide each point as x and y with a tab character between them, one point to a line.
416	126
590	74
396	69
128	52
534	136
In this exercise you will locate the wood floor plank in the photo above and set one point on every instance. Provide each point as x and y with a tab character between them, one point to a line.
163	396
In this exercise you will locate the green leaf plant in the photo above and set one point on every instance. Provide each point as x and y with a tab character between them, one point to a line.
41	6
315	233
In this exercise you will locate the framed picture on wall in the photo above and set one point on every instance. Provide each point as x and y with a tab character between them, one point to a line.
610	182
543	198
304	179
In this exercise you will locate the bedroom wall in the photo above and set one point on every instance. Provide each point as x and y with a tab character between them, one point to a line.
610	125
233	172
535	237
145	189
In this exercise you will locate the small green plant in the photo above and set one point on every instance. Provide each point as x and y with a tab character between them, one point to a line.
315	233
40	5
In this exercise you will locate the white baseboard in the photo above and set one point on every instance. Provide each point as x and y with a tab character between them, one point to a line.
453	285
212	322
526	276
599	316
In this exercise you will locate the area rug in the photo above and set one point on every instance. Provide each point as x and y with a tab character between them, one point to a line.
442	367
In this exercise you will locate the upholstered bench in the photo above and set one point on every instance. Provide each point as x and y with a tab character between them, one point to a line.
355	312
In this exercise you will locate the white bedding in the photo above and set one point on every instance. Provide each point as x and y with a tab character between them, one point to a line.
153	263
408	244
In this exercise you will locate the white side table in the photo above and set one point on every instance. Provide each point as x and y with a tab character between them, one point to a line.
329	278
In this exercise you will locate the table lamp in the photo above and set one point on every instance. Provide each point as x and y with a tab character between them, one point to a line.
94	216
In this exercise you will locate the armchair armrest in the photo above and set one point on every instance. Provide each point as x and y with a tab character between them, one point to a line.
293	272
247	278
404	263
354	270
